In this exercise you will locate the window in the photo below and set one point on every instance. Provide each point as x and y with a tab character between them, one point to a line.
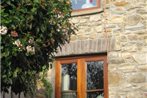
83	4
81	77
81	7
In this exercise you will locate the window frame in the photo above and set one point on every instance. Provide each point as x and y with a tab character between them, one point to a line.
81	74
91	10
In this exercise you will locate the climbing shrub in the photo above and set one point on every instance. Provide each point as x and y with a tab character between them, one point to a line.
31	31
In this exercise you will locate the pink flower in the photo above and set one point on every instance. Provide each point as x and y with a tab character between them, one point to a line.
14	34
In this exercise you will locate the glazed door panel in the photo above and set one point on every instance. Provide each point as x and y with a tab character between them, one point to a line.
81	77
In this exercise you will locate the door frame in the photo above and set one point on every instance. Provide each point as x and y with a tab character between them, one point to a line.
80	60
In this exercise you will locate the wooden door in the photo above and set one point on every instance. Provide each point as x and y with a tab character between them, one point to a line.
81	77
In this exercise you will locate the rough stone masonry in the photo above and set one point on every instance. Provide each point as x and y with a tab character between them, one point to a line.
121	31
125	23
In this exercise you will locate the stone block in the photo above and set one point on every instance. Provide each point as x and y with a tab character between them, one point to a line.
142	11
130	48
74	20
134	94
114	54
128	58
98	29
136	78
95	18
92	24
123	38
139	31
144	87
111	25
115	58
93	36
126	87
115	78
117	29
133	37
127	69
132	20
144	49
117	19
83	20
143	68
140	58
73	38
117	44
117	11
120	3
136	27
117	95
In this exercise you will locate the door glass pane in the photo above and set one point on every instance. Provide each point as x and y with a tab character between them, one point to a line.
95	75
69	76
68	95
95	95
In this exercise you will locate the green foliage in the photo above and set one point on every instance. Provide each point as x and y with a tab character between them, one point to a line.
35	29
47	85
48	88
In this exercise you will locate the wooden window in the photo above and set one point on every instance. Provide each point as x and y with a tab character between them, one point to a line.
81	7
81	77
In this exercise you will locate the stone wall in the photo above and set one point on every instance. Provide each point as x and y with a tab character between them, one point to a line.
123	25
126	21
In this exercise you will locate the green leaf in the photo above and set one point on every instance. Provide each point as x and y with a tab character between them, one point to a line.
34	9
36	1
5	54
15	73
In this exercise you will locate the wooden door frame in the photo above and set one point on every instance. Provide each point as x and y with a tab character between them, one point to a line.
80	60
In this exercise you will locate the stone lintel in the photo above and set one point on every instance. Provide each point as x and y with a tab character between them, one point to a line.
88	46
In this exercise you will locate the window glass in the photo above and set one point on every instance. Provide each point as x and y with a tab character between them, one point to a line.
69	76
95	75
69	80
82	4
95	95
69	95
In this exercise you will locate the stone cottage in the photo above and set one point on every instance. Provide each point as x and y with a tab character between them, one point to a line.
107	58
